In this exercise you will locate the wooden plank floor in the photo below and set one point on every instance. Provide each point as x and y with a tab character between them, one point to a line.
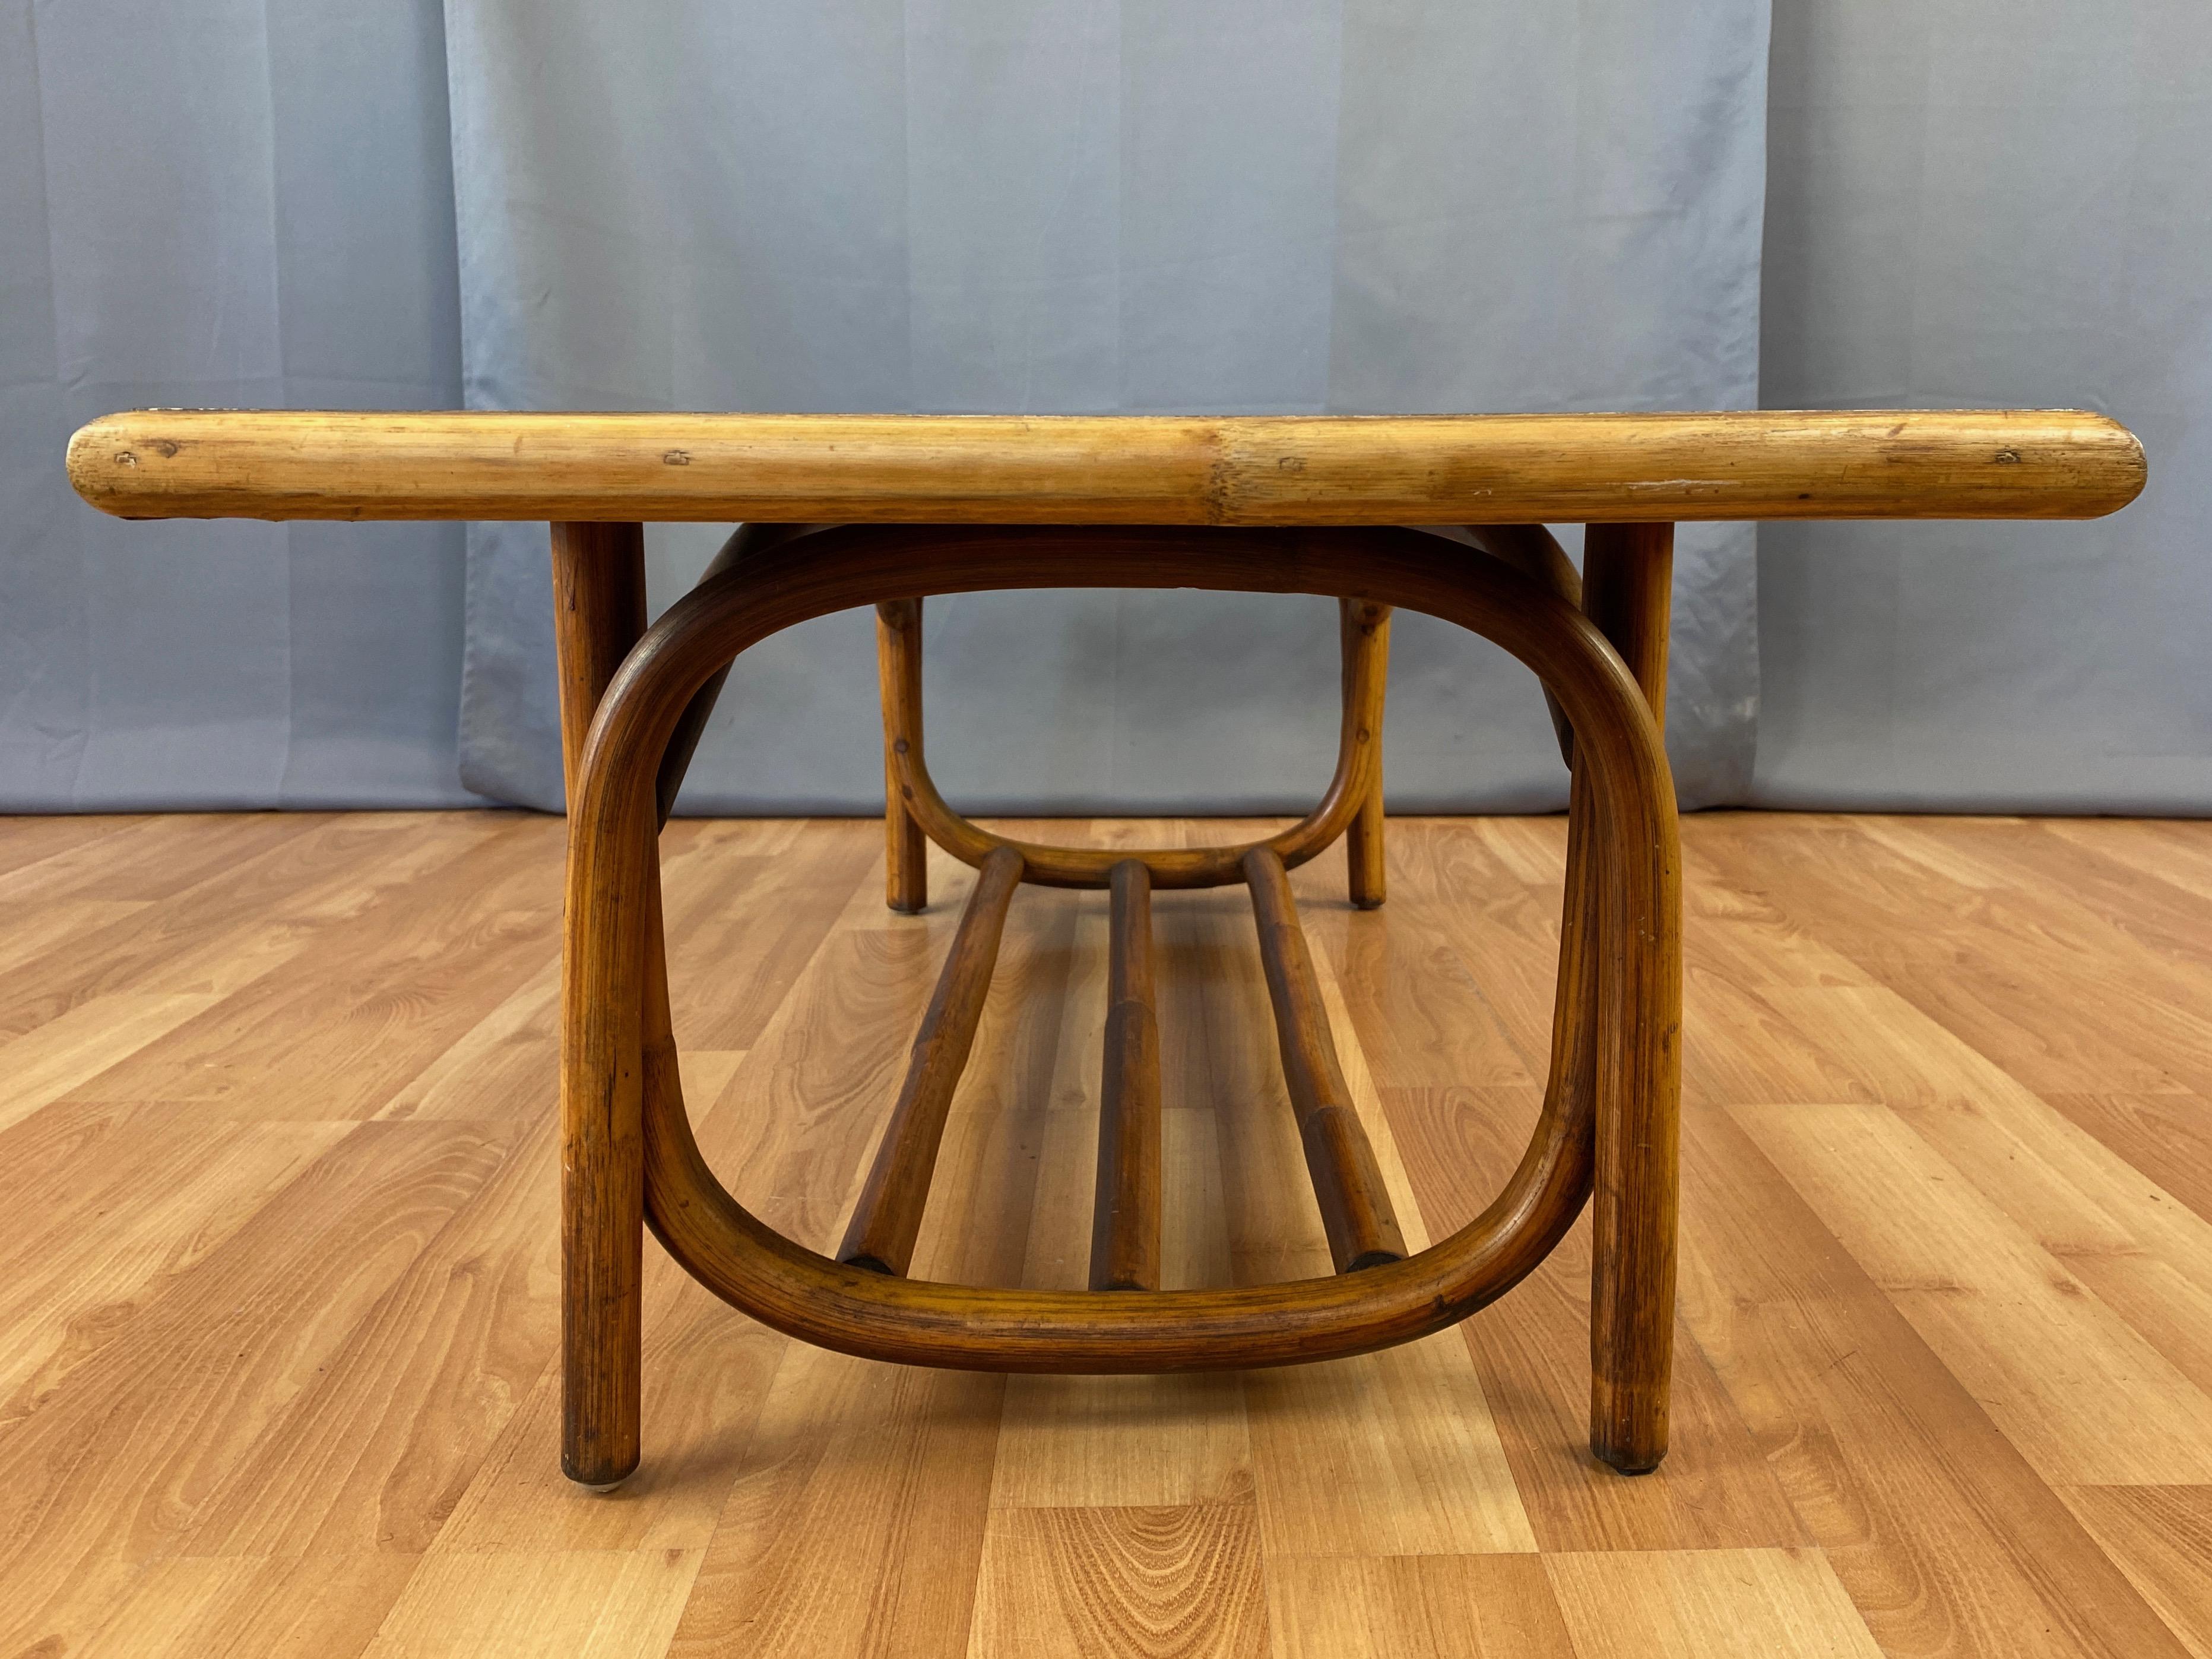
277	1261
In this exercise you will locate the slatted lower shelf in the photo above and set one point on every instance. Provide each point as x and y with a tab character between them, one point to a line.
1125	1253
1124	1224
888	1218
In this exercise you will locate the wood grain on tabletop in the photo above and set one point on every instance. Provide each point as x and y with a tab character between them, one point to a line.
1144	470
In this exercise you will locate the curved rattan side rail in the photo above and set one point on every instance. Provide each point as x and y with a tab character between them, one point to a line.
618	1063
1358	769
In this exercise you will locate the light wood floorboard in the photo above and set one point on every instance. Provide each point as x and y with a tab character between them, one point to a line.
278	1259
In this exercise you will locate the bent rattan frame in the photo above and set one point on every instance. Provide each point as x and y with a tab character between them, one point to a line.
633	703
1358	772
1615	1062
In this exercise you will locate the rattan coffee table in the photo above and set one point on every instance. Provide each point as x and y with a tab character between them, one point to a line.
844	511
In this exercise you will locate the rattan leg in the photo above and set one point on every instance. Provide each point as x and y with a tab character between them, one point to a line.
898	667
599	587
1627	572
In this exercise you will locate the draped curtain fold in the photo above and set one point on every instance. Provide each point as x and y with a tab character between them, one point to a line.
1103	206
1288	206
226	202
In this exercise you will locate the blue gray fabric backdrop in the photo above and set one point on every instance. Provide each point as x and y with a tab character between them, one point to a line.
1083	205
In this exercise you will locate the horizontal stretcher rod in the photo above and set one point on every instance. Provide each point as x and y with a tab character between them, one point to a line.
1125	1217
1355	1209
1101	470
888	1218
